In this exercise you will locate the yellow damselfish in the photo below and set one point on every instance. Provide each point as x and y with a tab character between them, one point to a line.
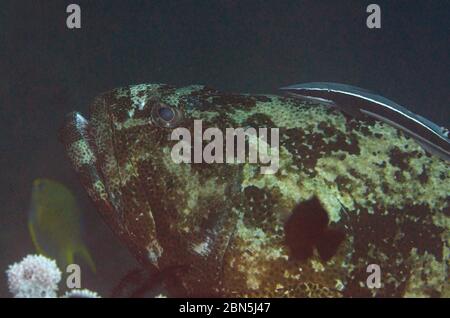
54	223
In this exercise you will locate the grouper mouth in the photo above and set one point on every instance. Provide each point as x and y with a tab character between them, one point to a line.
78	138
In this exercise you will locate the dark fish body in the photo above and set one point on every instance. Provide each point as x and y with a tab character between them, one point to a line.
358	191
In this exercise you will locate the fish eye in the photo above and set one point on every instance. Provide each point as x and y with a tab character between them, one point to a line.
165	115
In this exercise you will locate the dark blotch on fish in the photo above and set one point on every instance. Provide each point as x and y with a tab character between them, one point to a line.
259	120
401	159
307	228
300	144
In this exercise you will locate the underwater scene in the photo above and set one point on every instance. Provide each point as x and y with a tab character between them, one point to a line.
224	149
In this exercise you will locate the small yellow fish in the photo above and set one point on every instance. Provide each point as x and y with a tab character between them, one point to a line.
54	223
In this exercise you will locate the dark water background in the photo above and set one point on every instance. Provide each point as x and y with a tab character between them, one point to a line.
48	70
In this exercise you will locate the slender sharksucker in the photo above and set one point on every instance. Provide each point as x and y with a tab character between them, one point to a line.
357	102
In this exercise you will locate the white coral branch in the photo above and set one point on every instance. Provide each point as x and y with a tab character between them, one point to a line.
35	276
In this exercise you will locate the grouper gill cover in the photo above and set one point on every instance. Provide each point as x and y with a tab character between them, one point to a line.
348	193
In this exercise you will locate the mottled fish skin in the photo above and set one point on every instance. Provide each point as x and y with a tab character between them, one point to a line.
357	102
226	222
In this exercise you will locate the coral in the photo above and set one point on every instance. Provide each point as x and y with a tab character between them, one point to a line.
37	276
34	277
81	293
